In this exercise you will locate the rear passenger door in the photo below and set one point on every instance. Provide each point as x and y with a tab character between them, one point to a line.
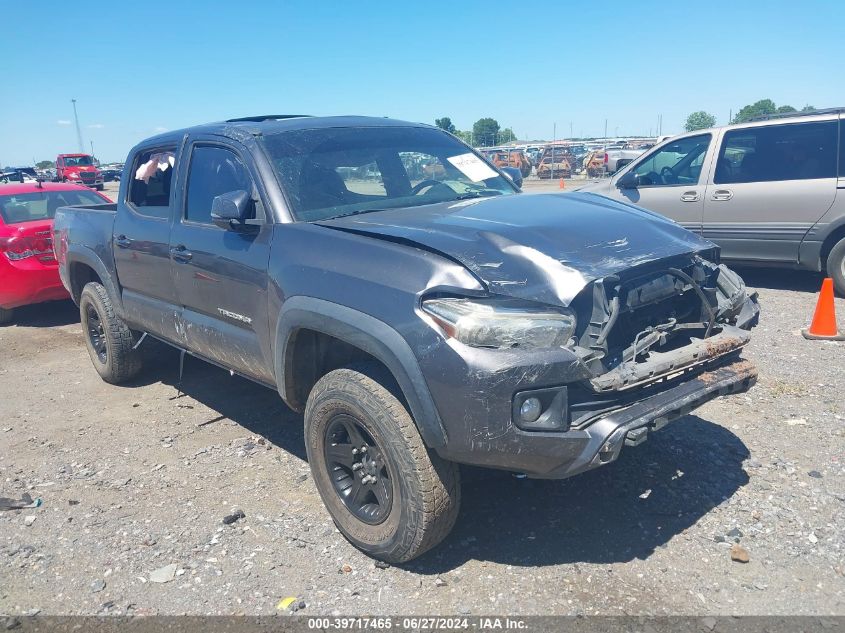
141	243
770	185
221	274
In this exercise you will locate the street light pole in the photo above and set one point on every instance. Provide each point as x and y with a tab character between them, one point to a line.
78	131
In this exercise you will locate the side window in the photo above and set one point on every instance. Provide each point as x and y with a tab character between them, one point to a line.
799	151
363	179
149	190
213	171
678	163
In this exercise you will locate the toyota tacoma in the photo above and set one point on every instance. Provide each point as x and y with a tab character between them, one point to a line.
419	319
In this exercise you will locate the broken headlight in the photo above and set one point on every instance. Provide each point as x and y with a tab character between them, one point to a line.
502	323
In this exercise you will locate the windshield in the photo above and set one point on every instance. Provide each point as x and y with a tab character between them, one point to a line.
42	205
333	172
78	161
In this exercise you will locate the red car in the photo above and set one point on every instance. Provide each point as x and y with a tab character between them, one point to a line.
29	272
80	169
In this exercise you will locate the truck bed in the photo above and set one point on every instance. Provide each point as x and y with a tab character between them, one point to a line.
87	229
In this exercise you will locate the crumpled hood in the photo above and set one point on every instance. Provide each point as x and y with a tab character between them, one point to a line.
541	247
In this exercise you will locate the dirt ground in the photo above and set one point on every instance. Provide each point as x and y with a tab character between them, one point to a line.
135	482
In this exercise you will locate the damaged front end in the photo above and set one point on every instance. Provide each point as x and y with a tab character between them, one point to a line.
632	352
646	327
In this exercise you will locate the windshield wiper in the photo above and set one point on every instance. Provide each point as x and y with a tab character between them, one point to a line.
475	194
346	215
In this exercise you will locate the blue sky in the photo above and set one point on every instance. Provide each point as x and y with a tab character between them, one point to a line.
137	68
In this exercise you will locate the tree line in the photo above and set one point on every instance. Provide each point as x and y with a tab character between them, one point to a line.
764	107
485	132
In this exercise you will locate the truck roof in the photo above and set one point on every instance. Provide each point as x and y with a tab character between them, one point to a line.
272	123
76	154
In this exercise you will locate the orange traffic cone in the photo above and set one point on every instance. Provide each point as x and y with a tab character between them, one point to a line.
824	319
562	186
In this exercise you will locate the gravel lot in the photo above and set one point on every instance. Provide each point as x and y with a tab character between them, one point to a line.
136	480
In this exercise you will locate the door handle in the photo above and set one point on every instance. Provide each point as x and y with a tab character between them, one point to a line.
722	194
181	254
122	241
689	196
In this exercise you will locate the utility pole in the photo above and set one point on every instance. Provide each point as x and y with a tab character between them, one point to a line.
570	130
605	129
92	149
78	131
554	133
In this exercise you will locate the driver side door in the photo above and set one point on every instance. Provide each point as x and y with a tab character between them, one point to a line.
673	178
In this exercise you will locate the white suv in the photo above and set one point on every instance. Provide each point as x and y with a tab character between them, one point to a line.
767	192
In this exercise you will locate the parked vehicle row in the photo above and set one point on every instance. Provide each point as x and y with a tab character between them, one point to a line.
769	192
395	287
18	174
564	159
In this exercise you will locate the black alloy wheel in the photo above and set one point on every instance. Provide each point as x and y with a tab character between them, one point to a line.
358	470
96	333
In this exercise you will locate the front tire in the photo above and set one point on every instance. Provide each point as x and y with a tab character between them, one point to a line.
388	495
836	266
108	339
6	315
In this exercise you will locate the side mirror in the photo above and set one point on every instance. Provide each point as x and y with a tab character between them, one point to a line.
231	210
628	180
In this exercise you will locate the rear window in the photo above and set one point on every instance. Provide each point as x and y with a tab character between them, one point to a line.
41	205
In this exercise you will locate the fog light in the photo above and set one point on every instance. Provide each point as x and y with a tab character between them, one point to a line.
530	410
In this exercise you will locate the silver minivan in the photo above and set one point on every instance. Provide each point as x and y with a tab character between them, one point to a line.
769	192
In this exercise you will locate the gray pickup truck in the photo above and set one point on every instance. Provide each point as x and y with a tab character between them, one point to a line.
395	287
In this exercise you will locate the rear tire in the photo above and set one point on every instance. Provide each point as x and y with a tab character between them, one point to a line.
836	266
6	315
108	339
414	501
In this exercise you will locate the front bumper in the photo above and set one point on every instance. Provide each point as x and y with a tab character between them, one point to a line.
557	455
632	425
97	182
